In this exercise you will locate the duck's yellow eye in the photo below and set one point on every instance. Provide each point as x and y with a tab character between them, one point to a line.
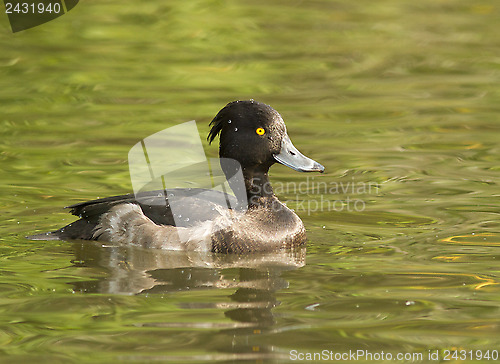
260	131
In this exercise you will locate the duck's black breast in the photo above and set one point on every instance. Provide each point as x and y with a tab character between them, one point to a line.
266	226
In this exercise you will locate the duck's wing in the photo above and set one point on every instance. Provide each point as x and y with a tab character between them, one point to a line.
185	207
161	207
153	203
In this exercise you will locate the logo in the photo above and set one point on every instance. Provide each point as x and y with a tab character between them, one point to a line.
170	168
28	14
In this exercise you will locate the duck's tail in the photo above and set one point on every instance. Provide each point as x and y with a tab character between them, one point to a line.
51	235
80	229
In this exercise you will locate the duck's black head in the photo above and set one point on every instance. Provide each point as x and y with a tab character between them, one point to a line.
254	134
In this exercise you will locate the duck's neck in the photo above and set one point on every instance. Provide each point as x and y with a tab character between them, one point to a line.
257	183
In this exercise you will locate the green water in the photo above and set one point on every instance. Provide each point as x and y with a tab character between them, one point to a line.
397	95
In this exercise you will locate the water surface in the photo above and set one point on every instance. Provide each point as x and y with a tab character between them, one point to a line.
398	100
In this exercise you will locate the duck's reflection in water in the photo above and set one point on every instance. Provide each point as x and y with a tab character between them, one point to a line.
254	277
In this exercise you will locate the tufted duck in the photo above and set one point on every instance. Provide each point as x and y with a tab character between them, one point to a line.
253	134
